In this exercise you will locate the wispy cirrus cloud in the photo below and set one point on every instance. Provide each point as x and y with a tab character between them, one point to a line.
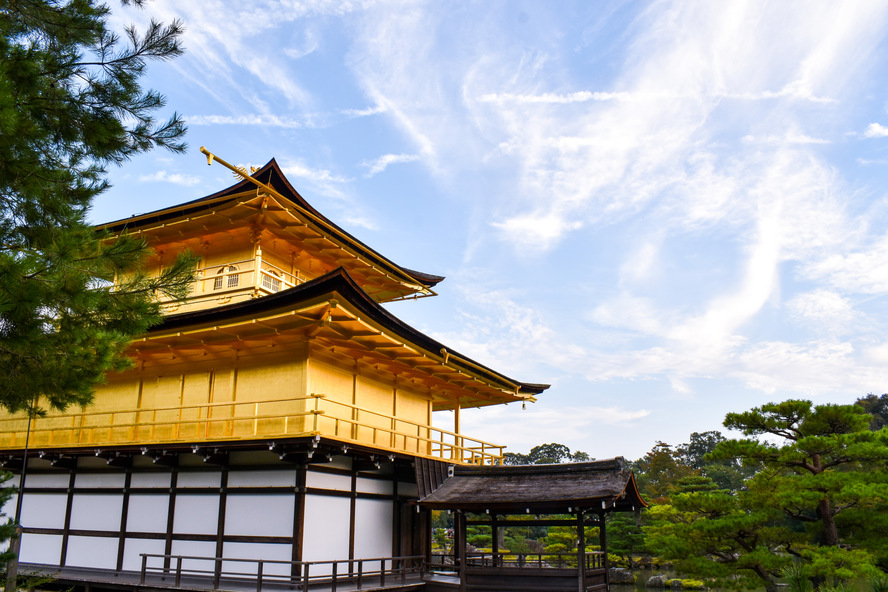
162	176
378	165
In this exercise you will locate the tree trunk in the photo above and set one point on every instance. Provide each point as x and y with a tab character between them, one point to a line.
830	537
767	580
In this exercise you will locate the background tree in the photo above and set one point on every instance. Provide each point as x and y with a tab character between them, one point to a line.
659	471
877	407
728	538
827	468
70	105
545	454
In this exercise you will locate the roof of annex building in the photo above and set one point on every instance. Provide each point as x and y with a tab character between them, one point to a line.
604	485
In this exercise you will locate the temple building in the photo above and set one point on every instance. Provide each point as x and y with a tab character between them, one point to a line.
279	420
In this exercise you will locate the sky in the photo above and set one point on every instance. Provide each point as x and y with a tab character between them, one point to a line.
667	210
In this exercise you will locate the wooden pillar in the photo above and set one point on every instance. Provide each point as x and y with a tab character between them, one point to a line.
603	539
461	548
457	451
581	552
494	531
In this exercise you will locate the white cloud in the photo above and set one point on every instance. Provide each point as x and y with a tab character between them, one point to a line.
378	165
256	119
785	139
375	110
875	130
823	308
542	422
318	175
162	176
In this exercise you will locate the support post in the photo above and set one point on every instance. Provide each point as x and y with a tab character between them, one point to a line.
494	531
461	548
456	453
581	552
603	539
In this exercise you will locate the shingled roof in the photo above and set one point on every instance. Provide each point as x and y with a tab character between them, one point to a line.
557	488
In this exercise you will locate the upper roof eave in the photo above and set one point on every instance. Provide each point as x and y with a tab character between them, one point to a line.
341	283
272	175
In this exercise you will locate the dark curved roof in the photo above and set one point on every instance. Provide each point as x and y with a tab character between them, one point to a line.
272	175
340	282
604	485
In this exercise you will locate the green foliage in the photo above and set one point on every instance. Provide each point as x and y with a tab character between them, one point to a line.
826	476
877	407
720	536
70	105
545	454
625	536
686	584
878	583
7	528
660	471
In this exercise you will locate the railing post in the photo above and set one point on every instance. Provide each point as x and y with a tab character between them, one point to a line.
259	576
360	573
144	569
335	575
178	571
305	578
217	573
382	572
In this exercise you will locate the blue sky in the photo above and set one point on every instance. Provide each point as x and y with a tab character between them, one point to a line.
667	210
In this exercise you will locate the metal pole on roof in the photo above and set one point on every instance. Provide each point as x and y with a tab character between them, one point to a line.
16	543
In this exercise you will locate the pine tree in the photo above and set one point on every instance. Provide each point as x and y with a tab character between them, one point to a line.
71	298
826	475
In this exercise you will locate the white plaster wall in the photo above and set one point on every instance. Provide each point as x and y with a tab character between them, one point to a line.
47	480
262	479
201	479
44	510
41	548
326	528
373	528
365	485
147	513
259	515
195	549
196	514
96	512
100	552
134	547
265	551
100	480
328	481
150	480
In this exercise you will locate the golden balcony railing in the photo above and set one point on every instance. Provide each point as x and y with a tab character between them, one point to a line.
315	415
248	273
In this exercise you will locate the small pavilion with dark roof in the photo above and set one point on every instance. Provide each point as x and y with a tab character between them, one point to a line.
503	496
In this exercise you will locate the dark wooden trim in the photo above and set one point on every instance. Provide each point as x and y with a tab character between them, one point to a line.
171	516
220	526
507	522
66	529
461	548
299	514
124	512
352	512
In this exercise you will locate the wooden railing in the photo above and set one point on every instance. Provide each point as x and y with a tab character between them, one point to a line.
176	571
248	273
246	420
594	560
